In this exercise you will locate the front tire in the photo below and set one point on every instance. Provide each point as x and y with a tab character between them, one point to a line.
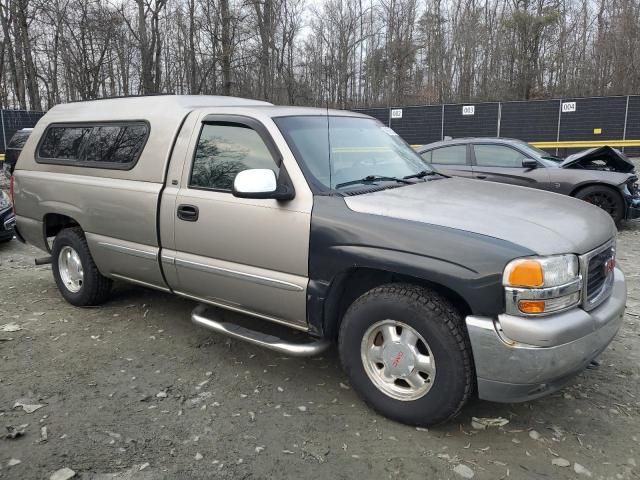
75	272
605	198
406	353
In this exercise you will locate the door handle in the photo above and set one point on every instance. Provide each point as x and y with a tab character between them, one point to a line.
188	213
481	177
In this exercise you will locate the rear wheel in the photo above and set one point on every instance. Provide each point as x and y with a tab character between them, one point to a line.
405	352
74	270
605	198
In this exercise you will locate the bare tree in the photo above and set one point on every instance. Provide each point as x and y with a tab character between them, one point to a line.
341	53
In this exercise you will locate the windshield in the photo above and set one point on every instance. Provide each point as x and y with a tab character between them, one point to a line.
538	152
360	148
19	139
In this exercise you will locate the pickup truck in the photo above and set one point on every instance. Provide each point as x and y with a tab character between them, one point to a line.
434	288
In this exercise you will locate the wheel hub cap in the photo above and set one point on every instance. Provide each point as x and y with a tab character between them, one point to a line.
398	360
70	268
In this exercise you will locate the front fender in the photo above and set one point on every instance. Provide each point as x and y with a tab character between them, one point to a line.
466	263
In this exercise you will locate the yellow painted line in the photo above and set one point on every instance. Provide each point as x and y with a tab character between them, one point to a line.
1	157
580	144
587	144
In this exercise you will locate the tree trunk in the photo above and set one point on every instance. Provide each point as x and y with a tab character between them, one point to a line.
31	76
226	47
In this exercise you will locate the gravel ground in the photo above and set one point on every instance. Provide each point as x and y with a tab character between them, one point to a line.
133	390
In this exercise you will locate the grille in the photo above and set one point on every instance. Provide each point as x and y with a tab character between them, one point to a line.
598	276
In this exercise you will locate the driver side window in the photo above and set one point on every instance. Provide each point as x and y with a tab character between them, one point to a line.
497	156
224	150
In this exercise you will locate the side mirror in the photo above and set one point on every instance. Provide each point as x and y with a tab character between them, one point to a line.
260	183
529	163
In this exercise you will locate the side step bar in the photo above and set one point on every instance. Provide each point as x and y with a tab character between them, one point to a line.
265	340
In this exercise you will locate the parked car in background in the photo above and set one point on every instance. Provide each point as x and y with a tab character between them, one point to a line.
324	221
14	147
7	218
601	176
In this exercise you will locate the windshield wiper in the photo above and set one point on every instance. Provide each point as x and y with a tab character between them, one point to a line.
422	174
373	178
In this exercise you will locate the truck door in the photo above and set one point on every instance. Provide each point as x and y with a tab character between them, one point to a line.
248	255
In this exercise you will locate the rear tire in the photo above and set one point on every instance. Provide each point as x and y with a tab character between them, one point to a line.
76	275
420	382
605	198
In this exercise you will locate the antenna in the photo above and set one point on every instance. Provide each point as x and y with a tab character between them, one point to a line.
329	138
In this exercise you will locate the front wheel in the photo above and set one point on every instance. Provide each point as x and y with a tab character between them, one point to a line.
605	198
75	272
405	352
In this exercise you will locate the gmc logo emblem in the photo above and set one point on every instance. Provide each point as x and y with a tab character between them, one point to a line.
609	265
397	359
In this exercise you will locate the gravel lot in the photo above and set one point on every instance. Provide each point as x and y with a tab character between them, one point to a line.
133	390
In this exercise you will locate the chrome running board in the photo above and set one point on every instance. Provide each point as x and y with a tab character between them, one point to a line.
309	349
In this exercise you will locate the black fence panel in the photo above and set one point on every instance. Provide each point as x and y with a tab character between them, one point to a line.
633	125
13	120
597	119
381	114
482	123
419	125
530	121
593	119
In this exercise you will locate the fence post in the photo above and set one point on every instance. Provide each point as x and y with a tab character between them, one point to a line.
559	120
4	134
442	123
499	117
626	117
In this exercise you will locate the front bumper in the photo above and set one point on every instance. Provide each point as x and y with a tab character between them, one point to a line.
633	208
513	371
7	224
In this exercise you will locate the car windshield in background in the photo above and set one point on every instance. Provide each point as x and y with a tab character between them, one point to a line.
363	151
537	152
19	139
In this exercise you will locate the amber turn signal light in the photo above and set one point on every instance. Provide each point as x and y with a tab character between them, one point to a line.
531	306
526	273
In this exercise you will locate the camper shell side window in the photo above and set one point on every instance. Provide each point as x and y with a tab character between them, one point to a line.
110	145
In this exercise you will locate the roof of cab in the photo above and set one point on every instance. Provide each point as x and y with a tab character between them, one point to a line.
160	106
115	107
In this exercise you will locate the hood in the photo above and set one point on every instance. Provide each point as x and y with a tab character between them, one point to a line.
602	158
545	223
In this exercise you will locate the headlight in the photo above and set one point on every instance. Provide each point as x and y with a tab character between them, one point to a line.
536	286
4	201
541	272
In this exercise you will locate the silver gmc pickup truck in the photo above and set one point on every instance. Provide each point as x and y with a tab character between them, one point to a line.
434	288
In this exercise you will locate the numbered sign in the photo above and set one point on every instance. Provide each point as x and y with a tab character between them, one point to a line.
568	107
469	110
396	113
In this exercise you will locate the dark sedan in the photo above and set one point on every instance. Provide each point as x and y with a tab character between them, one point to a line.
14	148
601	176
7	218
